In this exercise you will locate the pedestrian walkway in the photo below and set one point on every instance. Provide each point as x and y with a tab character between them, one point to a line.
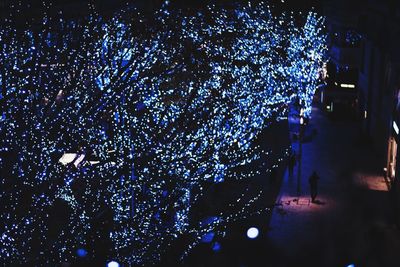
351	224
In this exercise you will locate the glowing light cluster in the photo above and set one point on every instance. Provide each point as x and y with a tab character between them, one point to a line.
112	129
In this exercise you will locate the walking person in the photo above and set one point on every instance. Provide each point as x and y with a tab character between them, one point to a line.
313	181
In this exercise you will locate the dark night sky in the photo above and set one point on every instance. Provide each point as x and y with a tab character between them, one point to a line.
150	4
79	8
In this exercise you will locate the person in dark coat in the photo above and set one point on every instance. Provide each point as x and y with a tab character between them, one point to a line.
313	181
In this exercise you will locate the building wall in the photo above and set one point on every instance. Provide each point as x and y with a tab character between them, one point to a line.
376	83
379	79
379	82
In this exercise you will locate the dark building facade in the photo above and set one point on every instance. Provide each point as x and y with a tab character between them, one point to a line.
379	86
364	67
379	73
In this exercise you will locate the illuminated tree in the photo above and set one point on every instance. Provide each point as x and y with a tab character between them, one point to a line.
306	54
113	128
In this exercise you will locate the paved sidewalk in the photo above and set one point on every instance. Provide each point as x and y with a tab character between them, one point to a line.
352	224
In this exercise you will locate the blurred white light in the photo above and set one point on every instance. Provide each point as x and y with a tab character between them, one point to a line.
395	127
113	264
67	158
345	85
79	160
252	232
